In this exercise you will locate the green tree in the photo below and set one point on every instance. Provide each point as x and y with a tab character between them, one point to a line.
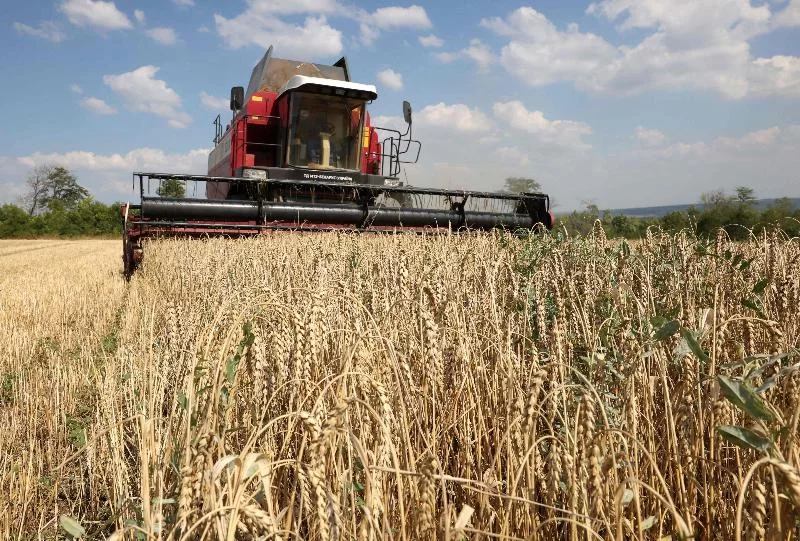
171	188
745	195
522	185
63	189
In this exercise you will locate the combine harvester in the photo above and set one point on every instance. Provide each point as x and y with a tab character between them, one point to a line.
301	154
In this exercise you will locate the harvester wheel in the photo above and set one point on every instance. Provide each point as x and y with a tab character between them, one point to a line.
129	264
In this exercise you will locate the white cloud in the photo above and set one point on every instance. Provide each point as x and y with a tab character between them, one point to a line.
458	117
213	102
163	35
102	15
46	30
314	39
392	18
390	79
726	147
96	105
106	176
446	58
559	132
143	92
477	51
697	44
513	155
75	89
184	3
139	15
431	40
789	16
776	76
152	159
650	137
203	29
293	7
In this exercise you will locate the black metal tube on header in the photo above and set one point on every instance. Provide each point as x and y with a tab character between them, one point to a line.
277	183
335	214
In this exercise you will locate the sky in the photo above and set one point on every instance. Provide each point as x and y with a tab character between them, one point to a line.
618	103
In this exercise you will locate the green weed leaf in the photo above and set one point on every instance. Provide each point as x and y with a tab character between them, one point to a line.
744	398
668	329
744	438
759	288
694	345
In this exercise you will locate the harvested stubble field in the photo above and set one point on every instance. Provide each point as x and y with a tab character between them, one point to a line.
354	387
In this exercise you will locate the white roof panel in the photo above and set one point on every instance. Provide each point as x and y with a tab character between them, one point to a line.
299	81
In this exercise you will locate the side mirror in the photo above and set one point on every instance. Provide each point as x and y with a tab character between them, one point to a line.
237	98
407	112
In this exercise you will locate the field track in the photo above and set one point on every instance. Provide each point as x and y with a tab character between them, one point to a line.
363	387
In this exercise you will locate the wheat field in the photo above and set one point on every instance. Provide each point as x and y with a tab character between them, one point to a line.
337	387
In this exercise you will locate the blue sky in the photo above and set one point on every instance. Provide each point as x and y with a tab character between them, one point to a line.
617	102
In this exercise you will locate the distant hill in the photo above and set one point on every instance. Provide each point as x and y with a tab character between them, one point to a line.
658	212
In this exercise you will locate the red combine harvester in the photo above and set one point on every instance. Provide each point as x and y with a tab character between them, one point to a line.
301	154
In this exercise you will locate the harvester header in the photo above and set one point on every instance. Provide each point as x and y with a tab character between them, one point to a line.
301	153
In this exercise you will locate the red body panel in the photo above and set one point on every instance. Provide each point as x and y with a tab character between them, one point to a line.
264	120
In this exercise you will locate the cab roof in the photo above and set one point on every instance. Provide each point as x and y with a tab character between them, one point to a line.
318	85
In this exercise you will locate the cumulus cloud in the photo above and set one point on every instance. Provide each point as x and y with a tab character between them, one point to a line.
184	3
477	51
75	89
143	92
390	79
559	132
106	176
163	35
650	137
726	147
513	155
213	102
47	30
314	39
98	106
95	13
789	16
392	18
457	117
151	159
139	15
431	40
701	45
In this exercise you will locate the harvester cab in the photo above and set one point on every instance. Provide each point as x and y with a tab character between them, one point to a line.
301	153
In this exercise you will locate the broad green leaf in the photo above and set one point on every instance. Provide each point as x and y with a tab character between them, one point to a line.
183	401
668	329
751	304
759	288
744	437
71	527
743	397
694	345
230	368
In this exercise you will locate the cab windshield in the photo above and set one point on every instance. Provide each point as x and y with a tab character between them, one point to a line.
324	131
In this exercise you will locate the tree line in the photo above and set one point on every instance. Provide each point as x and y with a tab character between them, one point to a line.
738	214
56	205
